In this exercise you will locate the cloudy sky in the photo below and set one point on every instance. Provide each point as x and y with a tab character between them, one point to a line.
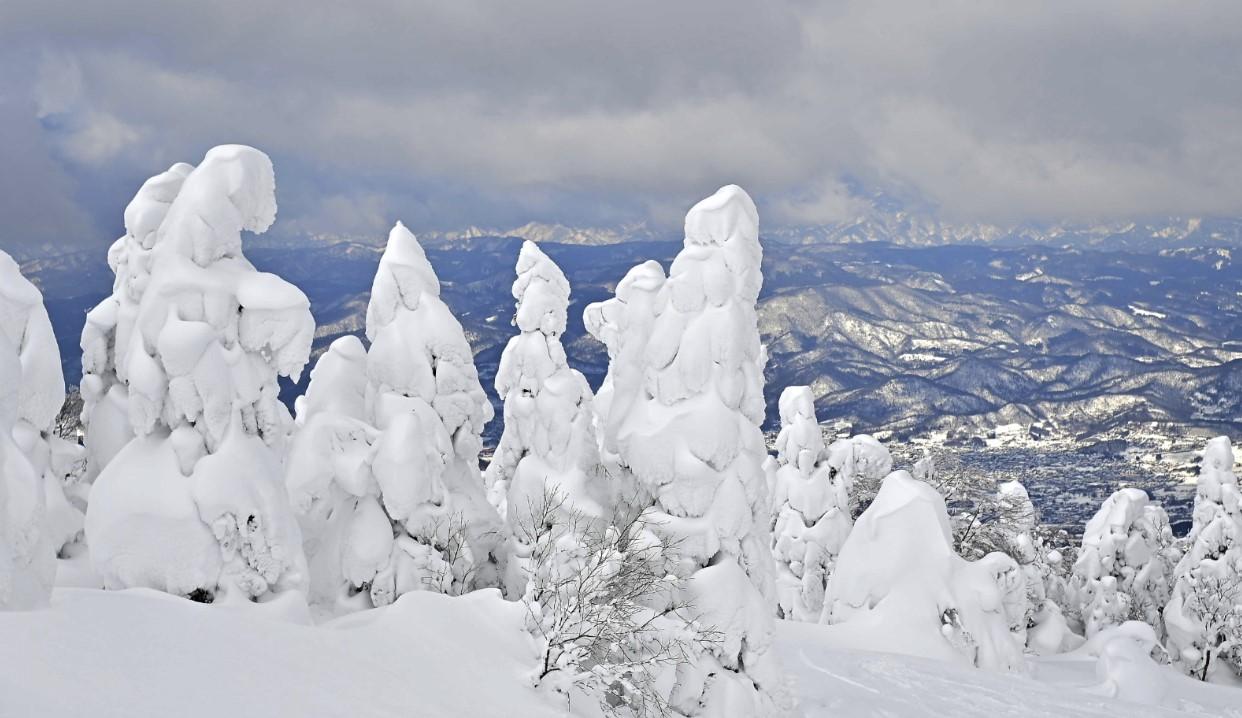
447	114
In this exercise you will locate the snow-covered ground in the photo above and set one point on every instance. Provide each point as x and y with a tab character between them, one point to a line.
831	681
139	652
143	653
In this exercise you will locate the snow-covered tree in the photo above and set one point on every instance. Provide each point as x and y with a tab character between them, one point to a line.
1204	615
862	462
40	395
111	324
811	520
1124	565
986	516
680	413
1016	532
348	537
423	397
1015	527
548	445
599	607
899	586
30	392
184	356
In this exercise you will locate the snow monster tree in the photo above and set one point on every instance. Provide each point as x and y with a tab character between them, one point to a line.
186	353
1124	567
1204	614
384	471
31	392
424	397
681	411
548	447
811	519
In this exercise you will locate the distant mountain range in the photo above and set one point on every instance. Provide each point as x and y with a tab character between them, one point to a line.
1077	333
909	229
886	222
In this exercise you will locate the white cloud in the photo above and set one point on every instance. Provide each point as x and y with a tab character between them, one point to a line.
500	113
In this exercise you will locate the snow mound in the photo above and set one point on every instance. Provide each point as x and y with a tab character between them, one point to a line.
899	587
833	680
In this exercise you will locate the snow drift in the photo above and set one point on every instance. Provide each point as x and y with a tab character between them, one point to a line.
899	587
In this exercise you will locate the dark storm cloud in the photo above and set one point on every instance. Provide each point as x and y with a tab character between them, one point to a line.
460	113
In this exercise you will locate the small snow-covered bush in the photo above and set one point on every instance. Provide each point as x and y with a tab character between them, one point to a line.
609	619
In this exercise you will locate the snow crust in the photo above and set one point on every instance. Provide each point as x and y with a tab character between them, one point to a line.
835	680
402	660
406	659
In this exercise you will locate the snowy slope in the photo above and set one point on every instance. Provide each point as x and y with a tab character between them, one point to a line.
835	682
141	653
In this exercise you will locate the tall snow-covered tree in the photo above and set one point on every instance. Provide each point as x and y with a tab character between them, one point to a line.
110	325
29	391
1204	615
186	354
40	394
811	520
423	397
1123	570
680	412
548	445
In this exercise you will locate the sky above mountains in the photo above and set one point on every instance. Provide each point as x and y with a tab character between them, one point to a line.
447	114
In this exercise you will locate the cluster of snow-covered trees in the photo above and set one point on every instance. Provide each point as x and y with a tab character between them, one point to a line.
646	529
986	581
634	528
